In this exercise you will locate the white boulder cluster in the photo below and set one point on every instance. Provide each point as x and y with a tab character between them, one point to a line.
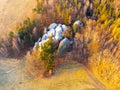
56	32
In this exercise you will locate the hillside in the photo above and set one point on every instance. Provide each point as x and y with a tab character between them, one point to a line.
65	44
13	75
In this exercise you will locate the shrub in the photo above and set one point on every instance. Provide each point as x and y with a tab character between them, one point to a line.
40	6
58	12
33	64
11	34
47	55
25	31
38	63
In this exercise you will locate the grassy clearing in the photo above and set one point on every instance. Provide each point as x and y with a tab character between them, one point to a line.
68	76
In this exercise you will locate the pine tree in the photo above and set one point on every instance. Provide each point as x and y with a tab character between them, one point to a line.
47	54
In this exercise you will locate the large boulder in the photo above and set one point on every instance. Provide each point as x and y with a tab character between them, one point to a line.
76	26
59	29
44	37
64	27
51	33
60	41
55	43
64	46
53	26
78	22
59	32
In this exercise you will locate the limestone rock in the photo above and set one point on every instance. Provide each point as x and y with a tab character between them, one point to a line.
64	46
53	26
77	24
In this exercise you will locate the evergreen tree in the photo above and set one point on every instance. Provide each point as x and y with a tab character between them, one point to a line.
47	54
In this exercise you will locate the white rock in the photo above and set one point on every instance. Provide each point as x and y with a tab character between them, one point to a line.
59	30
46	30
58	35
51	33
44	37
58	38
53	26
64	27
56	32
78	22
63	46
39	40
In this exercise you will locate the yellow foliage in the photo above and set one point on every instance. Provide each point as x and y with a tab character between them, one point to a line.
106	68
116	30
76	1
93	47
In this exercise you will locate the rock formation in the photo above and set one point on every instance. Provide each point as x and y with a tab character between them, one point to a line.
60	41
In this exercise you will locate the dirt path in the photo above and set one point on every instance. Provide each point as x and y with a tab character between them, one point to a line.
68	76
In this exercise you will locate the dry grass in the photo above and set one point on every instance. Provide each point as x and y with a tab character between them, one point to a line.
14	11
102	60
10	47
106	68
33	64
67	76
11	13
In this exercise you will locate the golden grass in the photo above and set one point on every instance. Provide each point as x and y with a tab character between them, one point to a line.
68	76
106	68
34	66
104	65
14	11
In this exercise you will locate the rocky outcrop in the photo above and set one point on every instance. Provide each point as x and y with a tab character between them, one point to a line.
55	31
60	41
64	45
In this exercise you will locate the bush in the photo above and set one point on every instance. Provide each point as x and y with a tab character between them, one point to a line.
40	63
25	31
47	55
59	12
33	64
11	34
15	41
40	6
